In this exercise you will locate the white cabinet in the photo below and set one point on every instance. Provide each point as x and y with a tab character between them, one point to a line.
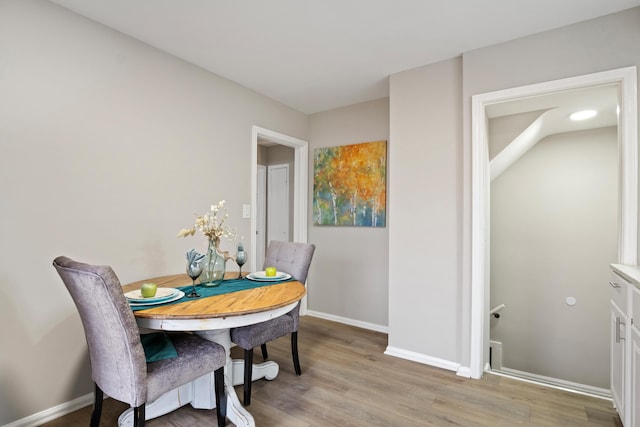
625	343
618	362
635	359
620	345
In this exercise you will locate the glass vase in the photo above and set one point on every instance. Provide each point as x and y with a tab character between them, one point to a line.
213	266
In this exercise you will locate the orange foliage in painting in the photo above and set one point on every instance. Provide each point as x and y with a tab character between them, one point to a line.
350	185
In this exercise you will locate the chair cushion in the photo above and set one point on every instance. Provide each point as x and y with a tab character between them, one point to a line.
251	336
196	357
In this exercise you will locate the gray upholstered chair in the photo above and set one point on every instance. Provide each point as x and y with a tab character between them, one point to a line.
294	259
118	363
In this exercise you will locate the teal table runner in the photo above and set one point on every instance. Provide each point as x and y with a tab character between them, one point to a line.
226	287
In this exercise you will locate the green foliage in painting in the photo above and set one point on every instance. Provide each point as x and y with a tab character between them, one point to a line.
349	185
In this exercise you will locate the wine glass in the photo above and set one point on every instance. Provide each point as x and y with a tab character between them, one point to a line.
241	258
194	269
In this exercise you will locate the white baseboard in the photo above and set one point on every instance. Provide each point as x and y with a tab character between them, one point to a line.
53	413
347	321
464	371
393	351
556	383
422	358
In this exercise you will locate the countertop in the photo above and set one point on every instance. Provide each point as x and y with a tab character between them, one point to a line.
629	272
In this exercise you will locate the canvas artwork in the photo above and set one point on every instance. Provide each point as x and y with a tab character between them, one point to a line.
349	185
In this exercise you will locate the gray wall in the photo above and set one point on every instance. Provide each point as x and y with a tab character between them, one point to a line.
349	277
601	44
553	234
430	171
108	148
424	225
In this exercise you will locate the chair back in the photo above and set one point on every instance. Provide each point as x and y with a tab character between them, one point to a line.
290	257
118	364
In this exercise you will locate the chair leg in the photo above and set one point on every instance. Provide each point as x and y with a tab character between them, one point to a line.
265	355
221	397
294	352
139	416
248	373
97	407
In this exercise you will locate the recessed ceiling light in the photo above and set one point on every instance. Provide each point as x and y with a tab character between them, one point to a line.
583	115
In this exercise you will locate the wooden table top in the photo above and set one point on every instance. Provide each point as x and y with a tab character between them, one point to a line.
232	304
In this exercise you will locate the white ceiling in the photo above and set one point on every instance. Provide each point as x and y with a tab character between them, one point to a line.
319	55
560	105
554	110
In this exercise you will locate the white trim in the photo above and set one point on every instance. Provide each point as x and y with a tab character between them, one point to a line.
347	321
479	203
464	371
628	185
583	389
628	143
53	413
300	187
422	358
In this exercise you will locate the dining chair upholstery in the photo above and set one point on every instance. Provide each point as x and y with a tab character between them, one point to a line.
292	258
118	364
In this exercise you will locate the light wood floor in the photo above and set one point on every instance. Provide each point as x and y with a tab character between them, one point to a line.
348	381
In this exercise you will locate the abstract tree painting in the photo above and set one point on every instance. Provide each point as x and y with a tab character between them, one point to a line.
349	185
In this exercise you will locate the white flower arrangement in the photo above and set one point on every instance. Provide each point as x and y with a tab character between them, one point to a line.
210	225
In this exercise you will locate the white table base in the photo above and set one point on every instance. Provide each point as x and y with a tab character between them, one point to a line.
200	392
268	370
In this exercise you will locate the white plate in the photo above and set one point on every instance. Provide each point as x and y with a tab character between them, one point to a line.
161	295
179	294
260	276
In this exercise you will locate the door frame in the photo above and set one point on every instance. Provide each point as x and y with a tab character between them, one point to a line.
625	78
300	183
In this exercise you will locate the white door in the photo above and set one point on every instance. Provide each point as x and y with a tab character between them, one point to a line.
278	202
261	216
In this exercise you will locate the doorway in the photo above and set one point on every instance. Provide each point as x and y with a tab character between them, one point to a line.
553	233
261	220
274	189
278	202
299	201
625	80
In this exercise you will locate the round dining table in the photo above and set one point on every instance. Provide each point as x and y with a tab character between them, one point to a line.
212	318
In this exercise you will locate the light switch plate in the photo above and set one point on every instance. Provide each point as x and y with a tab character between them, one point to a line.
246	211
